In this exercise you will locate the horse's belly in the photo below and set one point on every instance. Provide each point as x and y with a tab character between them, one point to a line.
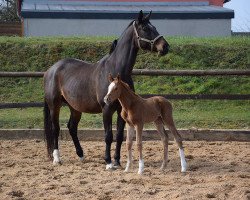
86	106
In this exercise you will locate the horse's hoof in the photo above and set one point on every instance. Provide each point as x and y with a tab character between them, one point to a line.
81	159
57	162
110	167
117	165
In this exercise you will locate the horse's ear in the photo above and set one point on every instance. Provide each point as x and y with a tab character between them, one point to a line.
140	17
148	16
111	79
118	77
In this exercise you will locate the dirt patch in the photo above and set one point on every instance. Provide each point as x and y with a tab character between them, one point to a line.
217	170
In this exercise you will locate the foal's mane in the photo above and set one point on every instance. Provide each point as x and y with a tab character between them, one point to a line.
128	88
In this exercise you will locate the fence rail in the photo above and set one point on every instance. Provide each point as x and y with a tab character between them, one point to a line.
10	29
146	72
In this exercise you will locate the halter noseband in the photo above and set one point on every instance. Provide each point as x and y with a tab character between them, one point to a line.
152	42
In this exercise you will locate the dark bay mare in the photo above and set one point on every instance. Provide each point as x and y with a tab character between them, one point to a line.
82	86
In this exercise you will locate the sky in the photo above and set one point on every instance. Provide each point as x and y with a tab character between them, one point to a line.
241	21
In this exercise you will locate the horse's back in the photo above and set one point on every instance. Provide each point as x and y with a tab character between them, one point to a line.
75	81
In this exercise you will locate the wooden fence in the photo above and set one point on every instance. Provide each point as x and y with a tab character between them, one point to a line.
146	72
10	29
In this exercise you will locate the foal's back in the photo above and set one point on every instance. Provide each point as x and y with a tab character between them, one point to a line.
154	107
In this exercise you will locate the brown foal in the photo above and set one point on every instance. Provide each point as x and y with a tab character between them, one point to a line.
136	111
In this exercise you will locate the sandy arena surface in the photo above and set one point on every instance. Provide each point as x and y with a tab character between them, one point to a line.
217	170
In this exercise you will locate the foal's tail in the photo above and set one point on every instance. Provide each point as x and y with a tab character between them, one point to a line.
167	113
48	135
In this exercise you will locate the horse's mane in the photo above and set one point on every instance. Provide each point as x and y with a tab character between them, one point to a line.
113	45
130	23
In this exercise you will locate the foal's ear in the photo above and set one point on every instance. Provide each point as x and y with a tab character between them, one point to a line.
140	17
148	16
111	79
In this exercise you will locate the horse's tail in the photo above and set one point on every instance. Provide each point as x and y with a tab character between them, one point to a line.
48	135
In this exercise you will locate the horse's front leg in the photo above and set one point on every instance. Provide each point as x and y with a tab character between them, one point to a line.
119	138
107	121
129	143
72	126
139	147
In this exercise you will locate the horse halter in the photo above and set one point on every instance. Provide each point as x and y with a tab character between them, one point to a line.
152	42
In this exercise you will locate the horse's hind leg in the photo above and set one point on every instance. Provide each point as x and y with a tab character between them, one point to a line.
168	120
75	117
54	113
164	139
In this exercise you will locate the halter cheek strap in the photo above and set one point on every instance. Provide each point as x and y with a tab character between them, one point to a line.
152	42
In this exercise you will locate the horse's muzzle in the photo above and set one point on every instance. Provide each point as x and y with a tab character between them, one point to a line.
106	100
164	50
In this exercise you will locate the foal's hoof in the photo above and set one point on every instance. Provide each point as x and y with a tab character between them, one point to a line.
183	169
140	172
126	170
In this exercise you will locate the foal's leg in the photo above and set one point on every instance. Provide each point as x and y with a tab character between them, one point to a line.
168	119
139	147
107	120
72	126
119	137
164	139
129	143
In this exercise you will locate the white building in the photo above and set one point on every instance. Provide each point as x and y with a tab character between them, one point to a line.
80	17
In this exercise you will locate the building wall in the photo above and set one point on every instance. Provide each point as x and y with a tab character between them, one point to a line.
91	27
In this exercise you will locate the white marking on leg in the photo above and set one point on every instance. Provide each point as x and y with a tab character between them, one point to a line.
141	167
129	143
110	166
56	156
81	159
128	165
183	161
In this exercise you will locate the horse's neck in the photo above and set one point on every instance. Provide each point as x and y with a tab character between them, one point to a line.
125	53
127	97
